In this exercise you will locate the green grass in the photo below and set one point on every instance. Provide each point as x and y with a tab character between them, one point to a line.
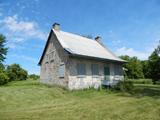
29	100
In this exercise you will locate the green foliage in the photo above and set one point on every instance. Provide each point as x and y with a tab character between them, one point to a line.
134	67
3	49
3	77
157	82
141	81
145	67
33	77
124	86
15	72
154	65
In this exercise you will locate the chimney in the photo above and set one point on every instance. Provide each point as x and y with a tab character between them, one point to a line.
56	26
98	39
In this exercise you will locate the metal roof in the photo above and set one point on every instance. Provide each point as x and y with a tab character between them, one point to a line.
79	45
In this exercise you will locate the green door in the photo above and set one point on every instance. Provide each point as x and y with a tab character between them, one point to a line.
106	73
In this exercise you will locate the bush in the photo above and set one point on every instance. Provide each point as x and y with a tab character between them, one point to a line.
15	72
33	77
141	81
124	86
3	78
157	82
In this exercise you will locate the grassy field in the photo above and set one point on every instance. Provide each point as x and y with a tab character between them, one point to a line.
28	100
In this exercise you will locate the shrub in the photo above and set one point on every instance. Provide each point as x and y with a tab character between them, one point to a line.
3	78
124	86
15	72
157	82
141	81
33	77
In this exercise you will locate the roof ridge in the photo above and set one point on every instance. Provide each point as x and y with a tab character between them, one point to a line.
75	34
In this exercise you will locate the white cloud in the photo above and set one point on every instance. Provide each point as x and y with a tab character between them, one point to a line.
17	30
29	29
131	52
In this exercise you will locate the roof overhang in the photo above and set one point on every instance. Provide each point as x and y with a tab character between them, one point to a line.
39	63
95	58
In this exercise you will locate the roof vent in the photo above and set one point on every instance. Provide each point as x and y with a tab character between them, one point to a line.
56	26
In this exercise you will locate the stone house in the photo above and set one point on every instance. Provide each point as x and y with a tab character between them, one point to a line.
77	62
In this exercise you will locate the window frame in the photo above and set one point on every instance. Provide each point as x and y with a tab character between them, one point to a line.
93	67
80	71
118	70
61	75
51	56
47	58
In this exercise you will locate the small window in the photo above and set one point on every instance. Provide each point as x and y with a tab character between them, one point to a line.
81	69
62	70
118	70
46	58
95	69
51	56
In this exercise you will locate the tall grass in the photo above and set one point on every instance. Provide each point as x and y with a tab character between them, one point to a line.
29	100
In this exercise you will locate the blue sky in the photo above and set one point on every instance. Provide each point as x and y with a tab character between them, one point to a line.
129	27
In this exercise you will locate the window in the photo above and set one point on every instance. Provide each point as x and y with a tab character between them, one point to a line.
118	70
46	58
95	69
51	56
81	69
62	70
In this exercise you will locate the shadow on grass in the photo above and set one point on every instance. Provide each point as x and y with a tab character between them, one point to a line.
142	90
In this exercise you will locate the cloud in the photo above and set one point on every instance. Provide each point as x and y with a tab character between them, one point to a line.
30	29
131	52
17	30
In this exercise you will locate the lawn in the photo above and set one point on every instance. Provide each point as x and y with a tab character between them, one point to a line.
29	100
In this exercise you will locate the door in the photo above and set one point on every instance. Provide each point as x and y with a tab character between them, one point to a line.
106	75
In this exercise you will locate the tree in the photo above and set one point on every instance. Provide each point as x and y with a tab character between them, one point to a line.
3	49
3	75
154	64
33	76
15	72
134	67
145	68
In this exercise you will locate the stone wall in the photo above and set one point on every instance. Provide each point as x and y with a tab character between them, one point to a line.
77	82
50	71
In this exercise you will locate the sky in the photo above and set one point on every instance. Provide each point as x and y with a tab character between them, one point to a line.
127	27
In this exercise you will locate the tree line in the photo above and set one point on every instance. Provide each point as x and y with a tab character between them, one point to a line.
11	72
135	68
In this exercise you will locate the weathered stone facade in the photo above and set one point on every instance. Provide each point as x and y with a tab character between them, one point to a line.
89	80
49	69
55	55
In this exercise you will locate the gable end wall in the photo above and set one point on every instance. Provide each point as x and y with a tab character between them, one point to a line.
49	73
